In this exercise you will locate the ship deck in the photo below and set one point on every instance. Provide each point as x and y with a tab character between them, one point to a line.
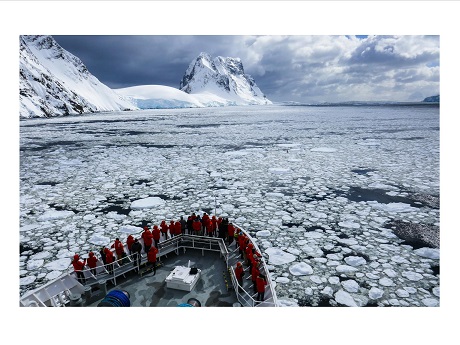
213	288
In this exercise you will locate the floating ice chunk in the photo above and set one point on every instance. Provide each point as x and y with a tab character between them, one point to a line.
228	207
53	274
414	276
108	185
386	281
242	199
343	297
368	142
27	280
402	293
99	240
430	253
314	234
300	269
274	195
288	145
430	302
130	229
287	303
334	280
375	293
392	207
390	273
327	291
89	217
40	255
236	153
345	269
263	233
59	264
347	241
277	222
349	224
28	227
394	302
436	291
350	285
314	251
282	280
279	170
34	264
278	257
323	149
399	259
53	215
316	279
149	202
294	251
355	261
410	289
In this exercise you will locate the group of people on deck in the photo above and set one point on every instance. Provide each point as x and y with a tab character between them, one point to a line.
251	258
194	225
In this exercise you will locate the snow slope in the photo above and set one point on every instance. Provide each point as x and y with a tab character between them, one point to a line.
54	82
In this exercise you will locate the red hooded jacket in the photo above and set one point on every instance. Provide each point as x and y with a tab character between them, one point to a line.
108	255
92	260
130	241
260	283
147	237
77	264
118	247
152	254
156	233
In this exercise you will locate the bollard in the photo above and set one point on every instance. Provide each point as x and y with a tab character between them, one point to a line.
75	300
88	293
103	286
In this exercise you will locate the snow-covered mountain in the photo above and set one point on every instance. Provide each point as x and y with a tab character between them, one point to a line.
222	77
54	82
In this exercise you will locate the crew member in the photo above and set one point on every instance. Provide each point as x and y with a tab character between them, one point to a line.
78	268
152	258
91	262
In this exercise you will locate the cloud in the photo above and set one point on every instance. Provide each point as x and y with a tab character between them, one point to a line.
303	68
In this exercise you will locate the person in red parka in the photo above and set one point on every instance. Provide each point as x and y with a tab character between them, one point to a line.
177	228
214	225
172	228
241	243
119	250
239	272
78	268
255	273
164	229
208	226
231	233
156	235
109	258
196	227
152	259
261	282
129	243
148	239
92	261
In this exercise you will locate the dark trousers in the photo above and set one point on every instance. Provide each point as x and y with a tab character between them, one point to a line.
110	268
260	296
147	248
136	259
80	277
154	267
156	243
93	271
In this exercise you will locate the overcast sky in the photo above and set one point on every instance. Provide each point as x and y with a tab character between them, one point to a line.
300	68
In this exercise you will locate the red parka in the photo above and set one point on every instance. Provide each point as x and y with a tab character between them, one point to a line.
255	271
260	283
164	227
108	255
177	228
239	271
231	230
156	233
118	247
196	225
147	237
152	254
130	241
77	264
92	260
